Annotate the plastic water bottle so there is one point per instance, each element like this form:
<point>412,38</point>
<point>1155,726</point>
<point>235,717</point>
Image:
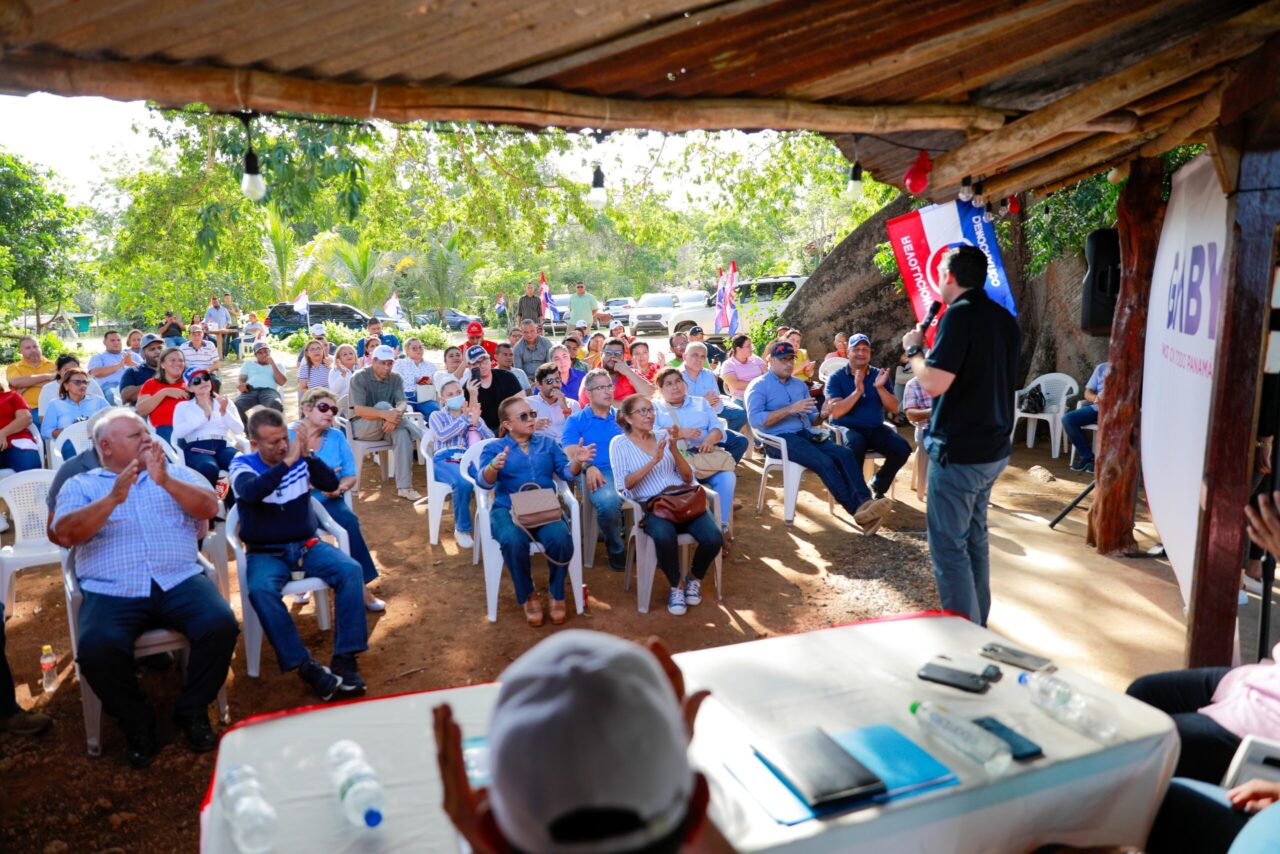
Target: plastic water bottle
<point>359,791</point>
<point>49,669</point>
<point>251,817</point>
<point>1060,700</point>
<point>970,739</point>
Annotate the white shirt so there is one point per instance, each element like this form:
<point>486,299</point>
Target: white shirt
<point>205,357</point>
<point>444,375</point>
<point>626,457</point>
<point>410,372</point>
<point>543,408</point>
<point>190,423</point>
<point>340,381</point>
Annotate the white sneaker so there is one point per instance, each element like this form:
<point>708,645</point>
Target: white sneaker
<point>675,602</point>
<point>376,605</point>
<point>463,539</point>
<point>410,494</point>
<point>693,591</point>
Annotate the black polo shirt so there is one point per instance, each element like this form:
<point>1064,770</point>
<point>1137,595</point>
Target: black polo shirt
<point>503,385</point>
<point>978,341</point>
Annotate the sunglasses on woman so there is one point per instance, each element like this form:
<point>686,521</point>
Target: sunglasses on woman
<point>326,408</point>
<point>195,381</point>
<point>525,416</point>
<point>79,382</point>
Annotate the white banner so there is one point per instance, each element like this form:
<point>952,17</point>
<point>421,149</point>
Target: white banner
<point>1182,326</point>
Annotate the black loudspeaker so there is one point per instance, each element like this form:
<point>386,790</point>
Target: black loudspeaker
<point>1101,282</point>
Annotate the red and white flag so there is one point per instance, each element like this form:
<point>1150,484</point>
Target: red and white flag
<point>392,306</point>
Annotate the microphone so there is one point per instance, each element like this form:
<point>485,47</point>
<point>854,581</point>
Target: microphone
<point>931,315</point>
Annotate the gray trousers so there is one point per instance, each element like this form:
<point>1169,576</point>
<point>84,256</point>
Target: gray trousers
<point>267,397</point>
<point>401,439</point>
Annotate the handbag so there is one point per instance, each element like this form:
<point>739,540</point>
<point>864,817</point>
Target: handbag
<point>678,504</point>
<point>707,463</point>
<point>1033,403</point>
<point>533,506</point>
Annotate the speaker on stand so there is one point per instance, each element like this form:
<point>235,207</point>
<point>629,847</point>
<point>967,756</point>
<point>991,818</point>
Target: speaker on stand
<point>1101,282</point>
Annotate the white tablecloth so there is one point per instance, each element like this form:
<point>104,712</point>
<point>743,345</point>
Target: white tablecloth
<point>1080,793</point>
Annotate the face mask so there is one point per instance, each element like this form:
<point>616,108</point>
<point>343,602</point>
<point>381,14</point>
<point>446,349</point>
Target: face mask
<point>454,403</point>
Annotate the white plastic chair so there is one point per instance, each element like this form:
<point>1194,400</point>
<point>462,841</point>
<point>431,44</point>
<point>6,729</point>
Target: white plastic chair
<point>646,552</point>
<point>1057,390</point>
<point>492,552</point>
<point>1081,404</point>
<point>791,474</point>
<point>381,448</point>
<point>77,434</point>
<point>25,494</point>
<point>438,492</point>
<point>831,366</point>
<point>148,643</point>
<point>252,625</point>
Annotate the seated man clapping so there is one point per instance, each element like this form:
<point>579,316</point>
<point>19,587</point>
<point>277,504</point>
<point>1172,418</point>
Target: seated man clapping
<point>134,523</point>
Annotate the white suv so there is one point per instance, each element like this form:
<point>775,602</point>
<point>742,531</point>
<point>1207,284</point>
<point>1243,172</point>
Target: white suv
<point>671,313</point>
<point>758,298</point>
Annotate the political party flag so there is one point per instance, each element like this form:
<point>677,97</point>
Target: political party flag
<point>919,240</point>
<point>548,304</point>
<point>501,305</point>
<point>302,305</point>
<point>392,306</point>
<point>726,305</point>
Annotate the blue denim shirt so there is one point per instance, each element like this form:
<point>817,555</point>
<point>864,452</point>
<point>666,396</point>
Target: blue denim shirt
<point>544,460</point>
<point>768,393</point>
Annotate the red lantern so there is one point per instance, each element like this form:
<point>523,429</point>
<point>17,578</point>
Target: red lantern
<point>916,178</point>
<point>1014,205</point>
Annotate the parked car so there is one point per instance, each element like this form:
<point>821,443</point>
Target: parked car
<point>620,308</point>
<point>402,323</point>
<point>551,326</point>
<point>282,321</point>
<point>453,318</point>
<point>757,298</point>
<point>666,314</point>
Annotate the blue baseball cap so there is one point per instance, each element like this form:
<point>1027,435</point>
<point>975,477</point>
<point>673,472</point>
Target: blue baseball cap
<point>859,339</point>
<point>190,373</point>
<point>476,353</point>
<point>783,350</point>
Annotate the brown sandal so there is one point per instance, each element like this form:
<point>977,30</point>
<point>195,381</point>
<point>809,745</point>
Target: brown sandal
<point>558,612</point>
<point>533,610</point>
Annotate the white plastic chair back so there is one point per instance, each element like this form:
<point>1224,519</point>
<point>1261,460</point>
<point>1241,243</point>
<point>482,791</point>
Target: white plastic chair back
<point>1058,389</point>
<point>791,475</point>
<point>831,366</point>
<point>172,454</point>
<point>77,434</point>
<point>25,494</point>
<point>438,492</point>
<point>360,448</point>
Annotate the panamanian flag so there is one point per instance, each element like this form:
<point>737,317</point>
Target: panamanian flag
<point>726,305</point>
<point>548,304</point>
<point>919,240</point>
<point>392,306</point>
<point>501,305</point>
<point>302,305</point>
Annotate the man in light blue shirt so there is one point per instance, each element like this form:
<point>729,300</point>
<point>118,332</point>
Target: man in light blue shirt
<point>1074,422</point>
<point>133,524</point>
<point>108,367</point>
<point>781,405</point>
<point>597,424</point>
<point>215,313</point>
<point>702,383</point>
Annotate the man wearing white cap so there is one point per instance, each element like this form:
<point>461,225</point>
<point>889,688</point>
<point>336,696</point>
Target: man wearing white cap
<point>379,404</point>
<point>260,382</point>
<point>587,751</point>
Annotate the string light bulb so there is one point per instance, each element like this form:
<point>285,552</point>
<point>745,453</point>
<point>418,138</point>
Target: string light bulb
<point>854,187</point>
<point>987,215</point>
<point>966,189</point>
<point>979,197</point>
<point>251,182</point>
<point>597,197</point>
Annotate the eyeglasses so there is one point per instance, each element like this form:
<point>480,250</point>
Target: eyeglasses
<point>195,381</point>
<point>325,407</point>
<point>613,352</point>
<point>600,387</point>
<point>78,382</point>
<point>644,410</point>
<point>525,416</point>
<point>551,381</point>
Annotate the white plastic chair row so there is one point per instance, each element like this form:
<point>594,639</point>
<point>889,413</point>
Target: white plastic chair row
<point>438,492</point>
<point>320,591</point>
<point>148,643</point>
<point>492,552</point>
<point>77,434</point>
<point>1057,390</point>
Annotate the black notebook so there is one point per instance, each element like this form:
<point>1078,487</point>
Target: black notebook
<point>818,769</point>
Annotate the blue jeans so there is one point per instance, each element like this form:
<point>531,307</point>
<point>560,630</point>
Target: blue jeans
<point>834,463</point>
<point>879,439</point>
<point>554,537</point>
<point>1073,424</point>
<point>736,444</point>
<point>426,407</point>
<point>734,415</point>
<point>342,514</point>
<point>175,341</point>
<point>1195,816</point>
<point>269,568</point>
<point>109,626</point>
<point>209,457</point>
<point>723,483</point>
<point>608,516</point>
<point>20,459</point>
<point>1207,746</point>
<point>449,471</point>
<point>957,522</point>
<point>112,393</point>
<point>703,529</point>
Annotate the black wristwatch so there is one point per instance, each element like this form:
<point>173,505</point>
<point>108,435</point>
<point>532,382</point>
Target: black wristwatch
<point>914,350</point>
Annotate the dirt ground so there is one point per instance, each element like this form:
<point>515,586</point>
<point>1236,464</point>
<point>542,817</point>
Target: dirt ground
<point>778,579</point>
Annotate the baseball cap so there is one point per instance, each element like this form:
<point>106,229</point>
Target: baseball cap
<point>384,353</point>
<point>317,329</point>
<point>859,339</point>
<point>475,353</point>
<point>190,373</point>
<point>617,324</point>
<point>195,327</point>
<point>148,340</point>
<point>581,324</point>
<point>168,314</point>
<point>697,330</point>
<point>260,345</point>
<point>581,687</point>
<point>783,350</point>
<point>474,328</point>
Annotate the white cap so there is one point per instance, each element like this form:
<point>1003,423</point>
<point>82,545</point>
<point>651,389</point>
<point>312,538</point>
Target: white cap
<point>384,353</point>
<point>317,329</point>
<point>587,720</point>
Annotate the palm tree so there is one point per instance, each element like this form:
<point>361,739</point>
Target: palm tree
<point>362,271</point>
<point>443,273</point>
<point>288,265</point>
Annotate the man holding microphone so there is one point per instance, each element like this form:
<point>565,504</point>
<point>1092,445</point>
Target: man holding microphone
<point>969,373</point>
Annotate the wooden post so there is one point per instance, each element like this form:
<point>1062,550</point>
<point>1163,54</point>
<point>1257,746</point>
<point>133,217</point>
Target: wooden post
<point>1140,214</point>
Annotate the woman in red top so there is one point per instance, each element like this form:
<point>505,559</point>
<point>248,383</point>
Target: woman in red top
<point>18,446</point>
<point>160,394</point>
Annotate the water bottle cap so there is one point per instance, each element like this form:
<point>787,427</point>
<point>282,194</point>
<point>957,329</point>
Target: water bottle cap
<point>46,649</point>
<point>915,706</point>
<point>372,818</point>
<point>1023,678</point>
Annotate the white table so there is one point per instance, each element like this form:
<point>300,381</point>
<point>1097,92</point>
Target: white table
<point>842,678</point>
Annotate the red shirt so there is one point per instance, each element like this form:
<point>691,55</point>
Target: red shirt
<point>490,347</point>
<point>162,415</point>
<point>10,404</point>
<point>622,389</point>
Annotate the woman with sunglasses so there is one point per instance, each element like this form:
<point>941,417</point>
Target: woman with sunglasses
<point>457,426</point>
<point>645,462</point>
<point>73,404</point>
<point>201,426</point>
<point>508,464</point>
<point>319,406</point>
<point>161,394</point>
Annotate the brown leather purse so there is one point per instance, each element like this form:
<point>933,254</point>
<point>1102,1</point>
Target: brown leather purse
<point>678,504</point>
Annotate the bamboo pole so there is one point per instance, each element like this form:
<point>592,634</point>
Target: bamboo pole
<point>232,90</point>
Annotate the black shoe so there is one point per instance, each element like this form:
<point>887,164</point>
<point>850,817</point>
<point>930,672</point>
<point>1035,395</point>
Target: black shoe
<point>618,562</point>
<point>1089,467</point>
<point>1080,464</point>
<point>878,496</point>
<point>320,678</point>
<point>200,735</point>
<point>140,747</point>
<point>344,666</point>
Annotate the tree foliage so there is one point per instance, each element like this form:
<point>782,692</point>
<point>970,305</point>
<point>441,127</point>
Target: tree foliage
<point>39,239</point>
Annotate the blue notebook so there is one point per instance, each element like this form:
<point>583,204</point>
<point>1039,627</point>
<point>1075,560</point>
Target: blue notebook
<point>905,767</point>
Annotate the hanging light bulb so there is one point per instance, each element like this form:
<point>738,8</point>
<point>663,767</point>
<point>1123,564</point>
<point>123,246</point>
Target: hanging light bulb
<point>251,183</point>
<point>916,178</point>
<point>966,189</point>
<point>1004,207</point>
<point>597,197</point>
<point>979,198</point>
<point>854,187</point>
<point>987,215</point>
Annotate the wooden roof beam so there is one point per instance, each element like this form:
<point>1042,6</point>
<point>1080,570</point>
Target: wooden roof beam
<point>1226,41</point>
<point>231,90</point>
<point>1191,122</point>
